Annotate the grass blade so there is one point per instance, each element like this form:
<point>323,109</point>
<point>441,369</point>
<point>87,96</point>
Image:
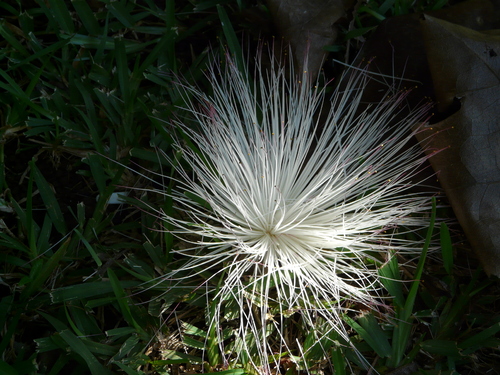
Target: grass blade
<point>477,341</point>
<point>122,71</point>
<point>121,13</point>
<point>44,272</point>
<point>86,290</point>
<point>441,347</point>
<point>86,16</point>
<point>49,199</point>
<point>62,15</point>
<point>402,330</point>
<point>391,280</point>
<point>77,346</point>
<point>371,332</point>
<point>232,40</point>
<point>123,301</point>
<point>9,38</point>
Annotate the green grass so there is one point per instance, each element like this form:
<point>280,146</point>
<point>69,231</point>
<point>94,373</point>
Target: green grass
<point>83,86</point>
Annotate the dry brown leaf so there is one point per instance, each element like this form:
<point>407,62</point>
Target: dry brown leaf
<point>397,47</point>
<point>308,26</point>
<point>465,66</point>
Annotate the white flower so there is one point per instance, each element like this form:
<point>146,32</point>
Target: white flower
<point>301,206</point>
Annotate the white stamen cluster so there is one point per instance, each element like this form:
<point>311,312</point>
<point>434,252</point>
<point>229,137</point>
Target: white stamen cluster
<point>300,207</point>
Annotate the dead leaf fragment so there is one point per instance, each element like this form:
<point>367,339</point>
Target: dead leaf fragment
<point>397,48</point>
<point>465,66</point>
<point>308,26</point>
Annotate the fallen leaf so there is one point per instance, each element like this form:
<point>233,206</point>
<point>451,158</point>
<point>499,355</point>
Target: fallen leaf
<point>465,66</point>
<point>397,48</point>
<point>308,26</point>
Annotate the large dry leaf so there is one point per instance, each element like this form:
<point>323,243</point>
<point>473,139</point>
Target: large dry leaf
<point>465,66</point>
<point>397,47</point>
<point>308,25</point>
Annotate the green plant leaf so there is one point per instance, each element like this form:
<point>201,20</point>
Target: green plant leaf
<point>49,199</point>
<point>391,280</point>
<point>441,347</point>
<point>44,272</point>
<point>402,330</point>
<point>369,329</point>
<point>11,39</point>
<point>86,15</point>
<point>232,40</point>
<point>123,301</point>
<point>87,290</point>
<point>477,341</point>
<point>7,369</point>
<point>62,15</point>
<point>89,247</point>
<point>77,346</point>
